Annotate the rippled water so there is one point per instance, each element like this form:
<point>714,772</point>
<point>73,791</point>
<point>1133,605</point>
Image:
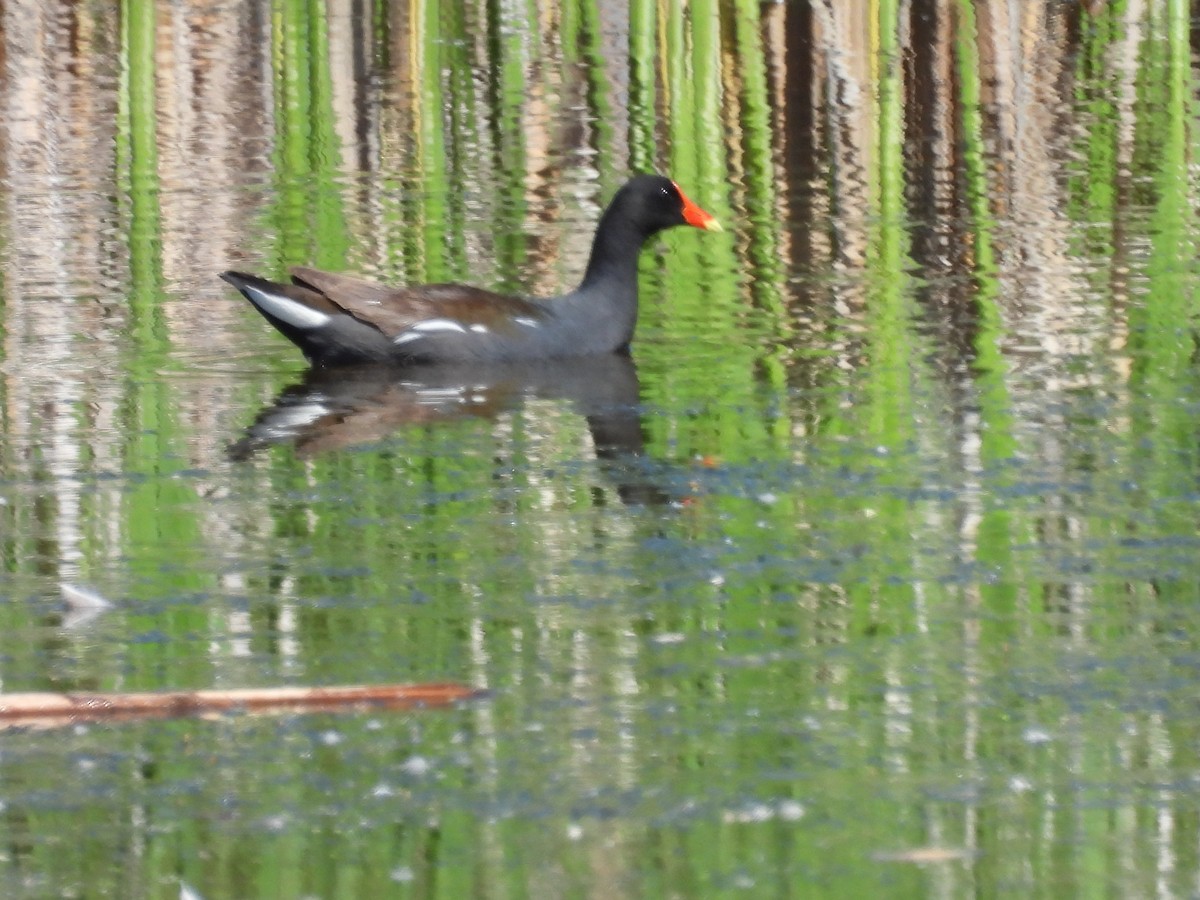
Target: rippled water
<point>873,573</point>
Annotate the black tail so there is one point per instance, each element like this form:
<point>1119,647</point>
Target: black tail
<point>324,332</point>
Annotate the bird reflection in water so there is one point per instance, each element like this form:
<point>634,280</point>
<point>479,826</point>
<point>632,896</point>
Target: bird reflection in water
<point>333,409</point>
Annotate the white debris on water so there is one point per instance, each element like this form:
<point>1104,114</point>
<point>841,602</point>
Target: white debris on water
<point>1035,735</point>
<point>669,637</point>
<point>79,597</point>
<point>416,765</point>
<point>782,810</point>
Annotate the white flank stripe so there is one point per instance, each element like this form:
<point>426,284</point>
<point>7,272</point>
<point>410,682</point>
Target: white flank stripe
<point>526,321</point>
<point>439,325</point>
<point>286,310</point>
<point>479,329</point>
<point>405,336</point>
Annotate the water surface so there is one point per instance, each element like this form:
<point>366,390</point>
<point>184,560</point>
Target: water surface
<point>872,573</point>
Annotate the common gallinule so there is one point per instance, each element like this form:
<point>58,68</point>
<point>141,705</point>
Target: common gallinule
<point>341,320</point>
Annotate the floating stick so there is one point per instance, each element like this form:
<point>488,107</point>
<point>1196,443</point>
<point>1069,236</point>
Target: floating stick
<point>50,709</point>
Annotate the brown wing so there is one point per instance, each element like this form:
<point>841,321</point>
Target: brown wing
<point>392,310</point>
<point>335,285</point>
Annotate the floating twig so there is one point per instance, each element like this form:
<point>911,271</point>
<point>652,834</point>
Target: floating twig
<point>46,709</point>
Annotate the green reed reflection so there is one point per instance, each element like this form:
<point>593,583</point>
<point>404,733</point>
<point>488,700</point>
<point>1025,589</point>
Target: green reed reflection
<point>308,216</point>
<point>137,155</point>
<point>157,517</point>
<point>1161,339</point>
<point>1000,525</point>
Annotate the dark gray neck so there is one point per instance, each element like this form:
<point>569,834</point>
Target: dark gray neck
<point>615,250</point>
<point>604,306</point>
